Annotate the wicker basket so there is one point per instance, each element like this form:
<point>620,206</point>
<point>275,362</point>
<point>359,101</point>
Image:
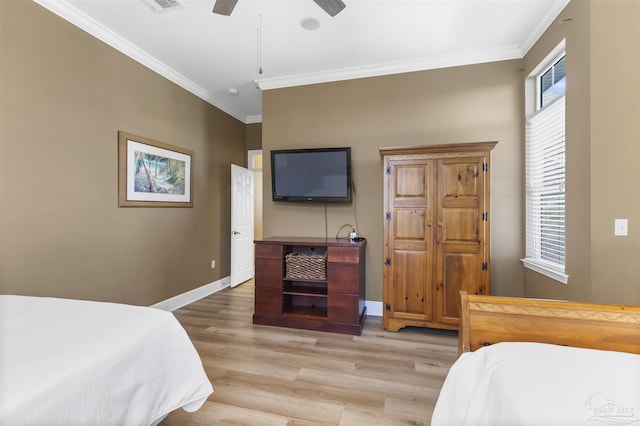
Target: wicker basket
<point>306,266</point>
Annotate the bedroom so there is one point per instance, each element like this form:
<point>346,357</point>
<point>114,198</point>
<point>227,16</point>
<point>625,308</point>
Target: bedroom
<point>65,95</point>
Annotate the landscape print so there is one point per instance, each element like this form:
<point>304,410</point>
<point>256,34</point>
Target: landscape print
<point>158,174</point>
<point>153,174</point>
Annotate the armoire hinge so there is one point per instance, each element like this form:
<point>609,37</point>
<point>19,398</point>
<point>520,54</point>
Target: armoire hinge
<point>387,215</point>
<point>485,167</point>
<point>387,306</point>
<point>388,170</point>
<point>484,266</point>
<point>387,261</point>
<point>485,216</point>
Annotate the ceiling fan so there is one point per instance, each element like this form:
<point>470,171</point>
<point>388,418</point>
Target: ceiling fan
<point>332,7</point>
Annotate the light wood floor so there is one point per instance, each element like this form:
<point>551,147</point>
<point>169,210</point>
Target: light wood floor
<point>280,376</point>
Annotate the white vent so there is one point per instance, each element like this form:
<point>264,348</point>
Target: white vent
<point>163,5</point>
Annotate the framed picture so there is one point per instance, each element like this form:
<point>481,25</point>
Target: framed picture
<point>153,174</point>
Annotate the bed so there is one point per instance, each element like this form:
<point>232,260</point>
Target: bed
<point>534,362</point>
<point>72,362</point>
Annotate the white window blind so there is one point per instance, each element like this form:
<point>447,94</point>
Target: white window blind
<point>545,189</point>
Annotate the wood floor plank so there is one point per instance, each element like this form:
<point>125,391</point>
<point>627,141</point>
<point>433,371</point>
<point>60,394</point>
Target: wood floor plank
<point>368,384</point>
<point>357,416</point>
<point>224,414</point>
<point>409,409</point>
<point>271,399</point>
<point>282,376</point>
<point>300,389</point>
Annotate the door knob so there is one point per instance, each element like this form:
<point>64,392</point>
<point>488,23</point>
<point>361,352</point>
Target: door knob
<point>236,233</point>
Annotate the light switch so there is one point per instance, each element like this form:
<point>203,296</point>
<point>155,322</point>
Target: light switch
<point>621,228</point>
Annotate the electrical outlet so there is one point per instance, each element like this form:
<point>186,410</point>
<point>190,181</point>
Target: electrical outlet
<point>621,228</point>
<point>213,264</point>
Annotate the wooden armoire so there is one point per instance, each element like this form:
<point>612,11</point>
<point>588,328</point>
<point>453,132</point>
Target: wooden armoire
<point>436,232</point>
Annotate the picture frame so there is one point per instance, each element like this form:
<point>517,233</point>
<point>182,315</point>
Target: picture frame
<point>152,173</point>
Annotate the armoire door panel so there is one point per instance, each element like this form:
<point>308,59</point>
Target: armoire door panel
<point>409,224</point>
<point>460,272</point>
<point>460,225</point>
<point>460,177</point>
<point>410,181</point>
<point>467,201</point>
<point>409,184</point>
<point>411,277</point>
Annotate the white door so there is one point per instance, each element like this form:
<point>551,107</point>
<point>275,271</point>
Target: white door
<point>242,256</point>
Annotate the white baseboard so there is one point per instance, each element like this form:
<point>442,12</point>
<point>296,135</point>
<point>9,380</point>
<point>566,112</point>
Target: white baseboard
<point>373,308</point>
<point>193,295</point>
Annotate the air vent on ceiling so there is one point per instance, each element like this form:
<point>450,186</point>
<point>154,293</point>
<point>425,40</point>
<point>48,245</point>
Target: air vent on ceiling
<point>163,5</point>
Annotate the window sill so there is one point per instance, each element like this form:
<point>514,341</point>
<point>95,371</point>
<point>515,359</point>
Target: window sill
<point>545,269</point>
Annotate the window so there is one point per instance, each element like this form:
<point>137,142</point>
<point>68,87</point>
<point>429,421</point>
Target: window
<point>545,174</point>
<point>552,82</point>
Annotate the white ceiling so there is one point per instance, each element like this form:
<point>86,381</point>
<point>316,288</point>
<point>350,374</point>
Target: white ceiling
<point>209,54</point>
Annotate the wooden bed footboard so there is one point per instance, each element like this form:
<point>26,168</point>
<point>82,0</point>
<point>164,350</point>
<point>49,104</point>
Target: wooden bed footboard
<point>491,319</point>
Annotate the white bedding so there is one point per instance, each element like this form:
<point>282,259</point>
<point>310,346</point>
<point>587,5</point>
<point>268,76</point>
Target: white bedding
<point>71,362</point>
<point>540,384</point>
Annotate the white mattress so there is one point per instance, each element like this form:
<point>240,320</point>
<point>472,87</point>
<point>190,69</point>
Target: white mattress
<point>71,362</point>
<point>540,384</point>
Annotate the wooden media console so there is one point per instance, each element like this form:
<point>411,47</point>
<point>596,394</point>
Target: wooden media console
<point>329,299</point>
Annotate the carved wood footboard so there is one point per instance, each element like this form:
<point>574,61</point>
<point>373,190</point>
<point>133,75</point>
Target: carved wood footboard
<point>491,319</point>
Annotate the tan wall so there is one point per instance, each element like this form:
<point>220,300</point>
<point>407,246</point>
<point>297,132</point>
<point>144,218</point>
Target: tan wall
<point>463,104</point>
<point>615,150</point>
<point>64,97</point>
<point>603,133</point>
<point>257,204</point>
<point>254,142</point>
<point>253,138</point>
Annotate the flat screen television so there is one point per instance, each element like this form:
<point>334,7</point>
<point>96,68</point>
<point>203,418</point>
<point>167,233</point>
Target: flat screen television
<point>311,175</point>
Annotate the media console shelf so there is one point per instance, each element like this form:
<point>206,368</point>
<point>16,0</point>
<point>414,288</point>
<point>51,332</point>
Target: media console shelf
<point>334,301</point>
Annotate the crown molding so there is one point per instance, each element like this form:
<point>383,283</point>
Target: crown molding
<point>445,61</point>
<point>252,119</point>
<point>549,18</point>
<point>89,25</point>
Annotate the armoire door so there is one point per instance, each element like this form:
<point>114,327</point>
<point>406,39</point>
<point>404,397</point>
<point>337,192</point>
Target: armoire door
<point>436,232</point>
<point>462,230</point>
<point>409,250</point>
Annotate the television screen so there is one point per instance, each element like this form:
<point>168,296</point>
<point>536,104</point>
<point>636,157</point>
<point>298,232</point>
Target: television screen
<point>321,175</point>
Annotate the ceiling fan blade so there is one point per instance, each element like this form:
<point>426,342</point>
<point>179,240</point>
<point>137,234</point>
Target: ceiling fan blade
<point>224,7</point>
<point>332,7</point>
